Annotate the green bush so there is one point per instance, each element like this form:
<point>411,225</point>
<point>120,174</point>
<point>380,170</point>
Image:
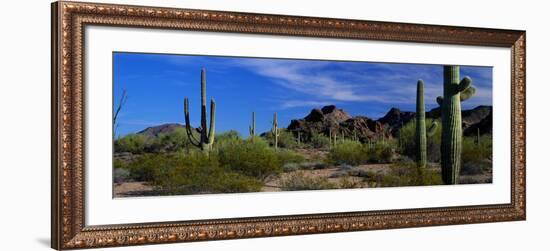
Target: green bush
<point>297,181</point>
<point>319,141</point>
<point>133,143</point>
<point>168,142</point>
<point>288,156</point>
<point>121,175</point>
<point>379,152</point>
<point>286,139</point>
<point>476,156</point>
<point>252,157</point>
<point>473,151</point>
<point>348,152</point>
<point>143,168</point>
<point>347,183</point>
<point>405,174</point>
<point>406,141</point>
<point>196,173</point>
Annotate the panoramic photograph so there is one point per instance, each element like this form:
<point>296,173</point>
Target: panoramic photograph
<point>193,124</point>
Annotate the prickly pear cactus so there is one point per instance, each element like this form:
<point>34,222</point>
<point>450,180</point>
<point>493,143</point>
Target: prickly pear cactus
<point>454,91</point>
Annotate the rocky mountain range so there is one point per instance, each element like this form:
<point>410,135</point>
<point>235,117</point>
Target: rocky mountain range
<point>333,120</point>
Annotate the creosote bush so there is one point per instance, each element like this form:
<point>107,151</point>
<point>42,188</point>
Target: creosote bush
<point>196,173</point>
<point>348,152</point>
<point>407,145</point>
<point>319,141</point>
<point>251,157</point>
<point>300,181</point>
<point>354,153</point>
<point>286,139</point>
<point>133,143</point>
<point>405,174</point>
<point>476,156</point>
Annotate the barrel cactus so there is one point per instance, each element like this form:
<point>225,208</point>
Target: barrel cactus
<point>420,134</point>
<point>454,91</point>
<point>206,139</point>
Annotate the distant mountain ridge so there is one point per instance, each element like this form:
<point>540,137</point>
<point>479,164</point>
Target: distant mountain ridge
<point>334,120</point>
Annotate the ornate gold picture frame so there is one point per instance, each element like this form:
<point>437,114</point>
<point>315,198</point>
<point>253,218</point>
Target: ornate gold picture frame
<point>69,230</point>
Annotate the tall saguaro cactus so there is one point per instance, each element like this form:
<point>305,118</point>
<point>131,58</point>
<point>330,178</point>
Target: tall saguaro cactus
<point>275,131</point>
<point>454,91</point>
<point>420,135</point>
<point>206,139</point>
<point>252,127</point>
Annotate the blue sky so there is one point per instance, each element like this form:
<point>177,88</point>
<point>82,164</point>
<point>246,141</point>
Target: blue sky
<point>157,84</point>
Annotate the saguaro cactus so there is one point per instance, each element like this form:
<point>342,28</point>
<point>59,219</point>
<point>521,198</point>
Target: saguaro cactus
<point>454,91</point>
<point>421,139</point>
<point>252,127</point>
<point>206,139</point>
<point>275,131</point>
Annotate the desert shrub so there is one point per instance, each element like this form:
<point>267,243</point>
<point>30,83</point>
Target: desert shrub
<point>143,168</point>
<point>348,152</point>
<point>196,172</point>
<point>379,152</point>
<point>288,156</point>
<point>119,164</point>
<point>405,174</point>
<point>286,139</point>
<point>228,136</point>
<point>168,142</point>
<point>252,157</point>
<point>290,167</point>
<point>473,151</point>
<point>306,165</point>
<point>312,165</point>
<point>133,143</point>
<point>406,140</point>
<point>346,182</point>
<point>121,175</point>
<point>319,141</point>
<point>476,156</point>
<point>299,181</point>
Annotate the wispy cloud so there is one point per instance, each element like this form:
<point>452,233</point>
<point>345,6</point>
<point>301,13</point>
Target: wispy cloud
<point>326,82</point>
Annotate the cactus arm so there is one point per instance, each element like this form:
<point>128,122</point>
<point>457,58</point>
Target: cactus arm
<point>464,84</point>
<point>439,100</point>
<point>204,137</point>
<point>432,128</point>
<point>212,131</point>
<point>190,135</point>
<point>467,93</point>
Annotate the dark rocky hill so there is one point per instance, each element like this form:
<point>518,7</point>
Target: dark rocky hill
<point>335,120</point>
<point>480,116</point>
<point>330,119</point>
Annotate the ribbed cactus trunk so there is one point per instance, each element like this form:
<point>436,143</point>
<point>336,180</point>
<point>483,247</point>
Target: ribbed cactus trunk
<point>421,152</point>
<point>454,91</point>
<point>206,139</point>
<point>252,128</point>
<point>275,132</point>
